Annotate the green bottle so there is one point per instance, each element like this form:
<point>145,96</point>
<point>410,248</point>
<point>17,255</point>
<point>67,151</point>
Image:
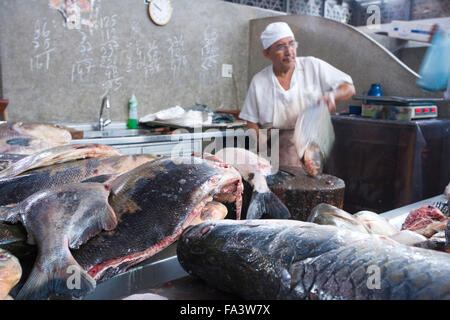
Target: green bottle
<point>133,114</point>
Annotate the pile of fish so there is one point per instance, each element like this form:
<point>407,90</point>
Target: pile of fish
<point>28,138</point>
<point>288,259</point>
<point>255,170</point>
<point>93,213</point>
<point>416,231</point>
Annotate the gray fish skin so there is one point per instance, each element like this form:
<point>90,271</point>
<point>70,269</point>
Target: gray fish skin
<point>56,219</point>
<point>16,189</point>
<point>286,259</point>
<point>56,155</point>
<point>154,203</point>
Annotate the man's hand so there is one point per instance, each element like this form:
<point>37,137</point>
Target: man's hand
<point>328,99</point>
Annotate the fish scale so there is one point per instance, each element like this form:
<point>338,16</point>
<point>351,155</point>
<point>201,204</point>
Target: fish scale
<point>337,268</point>
<point>16,189</point>
<point>153,203</point>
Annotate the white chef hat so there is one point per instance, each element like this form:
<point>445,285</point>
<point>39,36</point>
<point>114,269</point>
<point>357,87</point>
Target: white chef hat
<point>274,32</point>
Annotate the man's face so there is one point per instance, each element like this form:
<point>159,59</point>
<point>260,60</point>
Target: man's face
<point>282,53</point>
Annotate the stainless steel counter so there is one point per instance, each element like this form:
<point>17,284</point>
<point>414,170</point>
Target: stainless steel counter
<point>146,141</point>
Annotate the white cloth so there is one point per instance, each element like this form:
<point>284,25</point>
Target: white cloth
<point>274,32</point>
<point>267,102</point>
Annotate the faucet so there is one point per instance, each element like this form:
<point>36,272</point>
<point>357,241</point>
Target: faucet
<point>102,123</point>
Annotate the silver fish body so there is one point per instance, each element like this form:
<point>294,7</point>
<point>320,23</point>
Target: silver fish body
<point>287,259</point>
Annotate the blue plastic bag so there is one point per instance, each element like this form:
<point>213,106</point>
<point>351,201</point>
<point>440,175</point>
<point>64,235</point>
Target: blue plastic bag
<point>435,69</point>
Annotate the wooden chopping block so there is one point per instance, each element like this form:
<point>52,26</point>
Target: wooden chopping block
<point>298,191</point>
<point>301,192</point>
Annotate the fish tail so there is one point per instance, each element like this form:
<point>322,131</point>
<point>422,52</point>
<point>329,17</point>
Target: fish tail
<point>68,281</point>
<point>268,204</point>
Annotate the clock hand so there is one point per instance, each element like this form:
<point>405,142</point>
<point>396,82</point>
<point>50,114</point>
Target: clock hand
<point>157,7</point>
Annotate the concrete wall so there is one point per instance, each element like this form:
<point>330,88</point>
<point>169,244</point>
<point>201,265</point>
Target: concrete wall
<point>349,50</point>
<point>53,73</point>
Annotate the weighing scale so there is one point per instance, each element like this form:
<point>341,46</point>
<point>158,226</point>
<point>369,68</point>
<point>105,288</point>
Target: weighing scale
<point>399,108</point>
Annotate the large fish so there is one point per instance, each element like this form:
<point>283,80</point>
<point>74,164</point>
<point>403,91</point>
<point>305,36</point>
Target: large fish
<point>288,259</point>
<point>10,273</point>
<point>254,169</point>
<point>29,138</point>
<point>154,203</point>
<point>326,214</point>
<point>58,155</point>
<point>56,219</point>
<point>16,189</point>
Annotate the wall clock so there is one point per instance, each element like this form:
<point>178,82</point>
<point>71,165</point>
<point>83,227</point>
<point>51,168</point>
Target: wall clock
<point>160,11</point>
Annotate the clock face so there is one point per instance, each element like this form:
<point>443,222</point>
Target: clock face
<point>160,11</point>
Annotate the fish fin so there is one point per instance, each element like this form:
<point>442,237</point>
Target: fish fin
<point>10,213</point>
<point>68,280</point>
<point>107,222</point>
<point>268,204</point>
<point>110,219</point>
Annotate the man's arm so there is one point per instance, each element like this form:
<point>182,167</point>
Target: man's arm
<point>343,93</point>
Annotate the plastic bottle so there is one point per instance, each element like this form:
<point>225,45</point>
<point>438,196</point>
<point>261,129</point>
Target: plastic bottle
<point>133,113</point>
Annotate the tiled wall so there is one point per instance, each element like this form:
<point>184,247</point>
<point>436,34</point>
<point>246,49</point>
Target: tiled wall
<point>357,12</point>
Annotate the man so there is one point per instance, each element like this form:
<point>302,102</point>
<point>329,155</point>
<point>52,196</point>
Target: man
<point>279,92</point>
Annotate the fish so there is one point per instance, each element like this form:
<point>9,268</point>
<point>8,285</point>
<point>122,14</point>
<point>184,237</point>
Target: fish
<point>271,259</point>
<point>313,160</point>
<point>10,273</point>
<point>6,159</point>
<point>154,203</point>
<point>375,223</point>
<point>438,241</point>
<point>57,219</point>
<point>408,237</point>
<point>314,138</point>
<point>18,188</point>
<point>56,155</point>
<point>32,137</point>
<point>326,214</point>
<point>254,169</point>
<point>13,238</point>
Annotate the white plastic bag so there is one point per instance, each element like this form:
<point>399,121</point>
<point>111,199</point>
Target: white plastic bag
<point>314,126</point>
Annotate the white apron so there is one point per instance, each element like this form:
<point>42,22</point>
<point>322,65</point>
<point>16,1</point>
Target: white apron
<point>287,107</point>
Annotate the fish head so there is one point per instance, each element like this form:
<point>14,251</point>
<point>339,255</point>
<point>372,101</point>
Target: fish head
<point>313,160</point>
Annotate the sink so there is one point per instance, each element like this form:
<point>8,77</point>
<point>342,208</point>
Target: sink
<point>115,133</point>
